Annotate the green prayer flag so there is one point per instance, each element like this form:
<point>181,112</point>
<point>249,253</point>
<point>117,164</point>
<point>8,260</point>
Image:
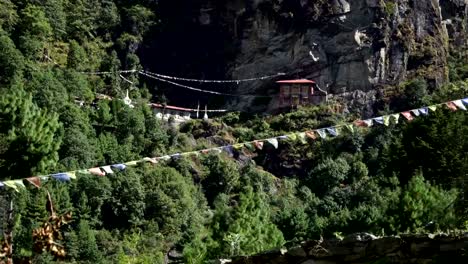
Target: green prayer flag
<point>250,146</point>
<point>87,171</point>
<point>396,117</point>
<point>238,146</point>
<point>386,120</point>
<point>350,127</point>
<point>302,137</point>
<point>292,137</point>
<point>433,108</point>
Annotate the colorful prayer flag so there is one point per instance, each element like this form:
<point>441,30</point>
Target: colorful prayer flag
<point>360,123</point>
<point>107,170</point>
<point>396,118</point>
<point>229,150</point>
<point>282,137</point>
<point>415,112</point>
<point>150,160</point>
<point>322,133</point>
<point>96,171</point>
<point>451,106</point>
<point>258,144</point>
<point>311,134</point>
<point>408,116</point>
<point>433,108</point>
<point>250,146</point>
<point>36,181</point>
<point>72,175</point>
<point>350,127</point>
<point>424,111</point>
<point>465,101</point>
<point>61,177</point>
<point>2,185</point>
<point>166,158</point>
<point>292,136</point>
<point>273,142</point>
<point>332,130</point>
<point>302,137</point>
<point>386,120</point>
<point>119,167</point>
<point>368,122</point>
<point>459,104</point>
<point>379,120</point>
<point>131,163</point>
<point>238,146</point>
<point>14,184</point>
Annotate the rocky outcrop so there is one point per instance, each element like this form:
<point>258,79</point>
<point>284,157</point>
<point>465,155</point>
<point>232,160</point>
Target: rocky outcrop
<point>352,48</point>
<point>366,248</point>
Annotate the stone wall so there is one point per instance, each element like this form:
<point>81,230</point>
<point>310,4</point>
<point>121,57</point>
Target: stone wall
<point>366,248</point>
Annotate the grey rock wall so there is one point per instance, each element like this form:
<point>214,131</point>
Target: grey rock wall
<point>366,248</point>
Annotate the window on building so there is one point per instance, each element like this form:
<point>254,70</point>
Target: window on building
<point>295,90</point>
<point>305,91</point>
<point>286,90</point>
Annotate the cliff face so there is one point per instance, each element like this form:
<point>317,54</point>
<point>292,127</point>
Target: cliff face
<point>352,48</point>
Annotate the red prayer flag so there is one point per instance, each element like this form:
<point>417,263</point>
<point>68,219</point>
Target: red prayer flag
<point>311,134</point>
<point>97,171</point>
<point>36,181</point>
<point>258,144</point>
<point>451,106</point>
<point>408,116</point>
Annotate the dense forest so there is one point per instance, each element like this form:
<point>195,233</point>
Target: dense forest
<point>405,177</point>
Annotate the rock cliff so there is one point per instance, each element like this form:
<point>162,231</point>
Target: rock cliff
<point>353,48</point>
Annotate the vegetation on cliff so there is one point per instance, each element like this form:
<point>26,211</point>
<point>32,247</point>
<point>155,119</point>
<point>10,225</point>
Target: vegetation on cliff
<point>409,177</point>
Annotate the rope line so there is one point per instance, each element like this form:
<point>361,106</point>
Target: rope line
<point>200,90</point>
<point>214,81</point>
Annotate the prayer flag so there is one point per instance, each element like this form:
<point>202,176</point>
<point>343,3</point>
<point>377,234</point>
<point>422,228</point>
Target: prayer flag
<point>451,106</point>
<point>424,111</point>
<point>292,136</point>
<point>1,184</point>
<point>386,120</point>
<point>131,163</point>
<point>322,133</point>
<point>205,151</point>
<point>166,157</point>
<point>408,116</point>
<point>61,177</point>
<point>360,123</point>
<point>302,137</point>
<point>238,146</point>
<point>350,127</point>
<point>14,184</point>
<point>368,122</point>
<point>229,150</point>
<point>108,170</point>
<point>119,167</point>
<point>332,131</point>
<point>379,120</point>
<point>311,134</point>
<point>283,137</point>
<point>150,160</point>
<point>72,175</point>
<point>250,146</point>
<point>396,117</point>
<point>258,144</point>
<point>176,156</point>
<point>415,112</point>
<point>273,142</point>
<point>96,171</point>
<point>36,181</point>
<point>465,101</point>
<point>459,104</point>
<point>433,108</point>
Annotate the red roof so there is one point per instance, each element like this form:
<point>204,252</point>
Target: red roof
<point>300,81</point>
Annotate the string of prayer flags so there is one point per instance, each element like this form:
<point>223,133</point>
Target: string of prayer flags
<point>252,145</point>
<point>408,116</point>
<point>459,104</point>
<point>451,106</point>
<point>35,181</point>
<point>273,142</point>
